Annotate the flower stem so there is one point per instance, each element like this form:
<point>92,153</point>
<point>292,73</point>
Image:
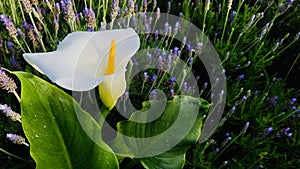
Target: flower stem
<point>12,154</point>
<point>17,96</point>
<point>37,32</point>
<point>18,42</point>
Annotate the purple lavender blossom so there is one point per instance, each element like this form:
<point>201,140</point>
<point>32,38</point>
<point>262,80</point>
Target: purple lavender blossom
<point>16,139</point>
<point>114,9</point>
<point>89,16</point>
<point>27,6</point>
<point>6,82</point>
<point>9,25</point>
<point>68,10</point>
<point>10,113</point>
<point>169,6</point>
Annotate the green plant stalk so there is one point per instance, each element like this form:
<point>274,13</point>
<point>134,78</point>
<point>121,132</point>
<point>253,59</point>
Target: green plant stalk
<point>230,36</point>
<point>13,9</point>
<point>46,29</point>
<point>105,6</point>
<point>10,154</point>
<point>1,7</point>
<point>203,24</point>
<point>37,32</point>
<point>74,6</point>
<point>225,24</point>
<point>226,147</point>
<point>17,95</point>
<point>26,44</point>
<point>295,61</point>
<point>237,41</point>
<point>16,39</point>
<point>286,47</point>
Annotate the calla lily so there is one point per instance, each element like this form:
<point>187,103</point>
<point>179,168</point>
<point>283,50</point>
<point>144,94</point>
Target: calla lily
<point>83,60</point>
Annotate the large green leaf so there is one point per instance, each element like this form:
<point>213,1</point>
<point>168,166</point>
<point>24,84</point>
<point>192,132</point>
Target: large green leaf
<point>178,127</point>
<point>57,138</point>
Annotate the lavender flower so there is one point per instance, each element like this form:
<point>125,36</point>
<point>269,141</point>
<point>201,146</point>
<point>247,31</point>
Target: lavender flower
<point>229,4</point>
<point>30,33</point>
<point>131,7</point>
<point>114,9</point>
<point>147,29</point>
<point>245,128</point>
<point>10,47</point>
<point>6,82</point>
<point>240,77</point>
<point>89,16</point>
<point>16,139</point>
<point>56,24</point>
<point>153,95</point>
<point>157,13</point>
<point>9,25</point>
<point>102,26</point>
<point>249,23</point>
<point>207,5</point>
<point>166,29</point>
<point>145,5</point>
<point>57,9</point>
<point>272,100</point>
<point>293,100</point>
<point>231,18</point>
<point>10,113</point>
<point>67,8</point>
<point>13,61</point>
<point>169,6</point>
<point>27,6</point>
<point>146,76</point>
<point>154,3</point>
<point>20,33</point>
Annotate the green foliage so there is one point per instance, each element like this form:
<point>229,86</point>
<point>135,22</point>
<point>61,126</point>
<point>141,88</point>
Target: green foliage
<point>56,137</point>
<point>177,118</point>
<point>249,50</point>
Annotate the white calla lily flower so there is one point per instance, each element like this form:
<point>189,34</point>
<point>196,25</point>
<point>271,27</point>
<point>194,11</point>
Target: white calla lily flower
<point>83,60</point>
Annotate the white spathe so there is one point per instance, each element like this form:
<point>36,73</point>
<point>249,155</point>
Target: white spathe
<point>81,59</point>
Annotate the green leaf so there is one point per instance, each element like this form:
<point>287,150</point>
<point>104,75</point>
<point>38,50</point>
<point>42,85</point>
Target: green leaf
<point>178,127</point>
<point>57,138</point>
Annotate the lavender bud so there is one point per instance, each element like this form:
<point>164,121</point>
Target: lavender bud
<point>153,95</point>
<point>146,76</point>
<point>131,7</point>
<point>166,29</point>
<point>102,26</point>
<point>20,33</point>
<point>57,9</point>
<point>157,13</point>
<point>10,113</point>
<point>245,128</point>
<point>56,24</point>
<point>154,3</point>
<point>169,6</point>
<point>6,82</point>
<point>27,6</point>
<point>114,9</point>
<point>145,5</point>
<point>9,25</point>
<point>68,10</point>
<point>16,139</point>
<point>89,16</point>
